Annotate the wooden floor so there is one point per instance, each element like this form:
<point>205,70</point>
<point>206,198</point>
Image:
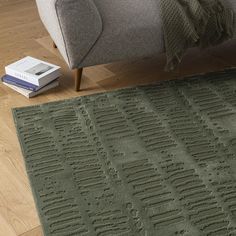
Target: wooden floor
<point>21,34</point>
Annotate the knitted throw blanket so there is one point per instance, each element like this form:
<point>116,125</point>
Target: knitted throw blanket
<point>189,23</point>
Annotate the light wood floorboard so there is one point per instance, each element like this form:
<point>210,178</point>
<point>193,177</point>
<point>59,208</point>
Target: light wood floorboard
<point>21,34</point>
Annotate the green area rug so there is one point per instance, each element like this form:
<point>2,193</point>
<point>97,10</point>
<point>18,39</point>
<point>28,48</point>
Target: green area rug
<point>150,160</point>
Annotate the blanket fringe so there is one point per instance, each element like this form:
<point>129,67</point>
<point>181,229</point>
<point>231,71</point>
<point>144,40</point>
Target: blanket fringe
<point>190,23</point>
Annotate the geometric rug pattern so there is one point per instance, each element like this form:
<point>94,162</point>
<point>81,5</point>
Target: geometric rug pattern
<point>150,160</point>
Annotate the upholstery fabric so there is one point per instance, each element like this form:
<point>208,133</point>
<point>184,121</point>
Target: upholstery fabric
<point>95,32</point>
<point>49,18</point>
<point>81,25</point>
<point>131,29</point>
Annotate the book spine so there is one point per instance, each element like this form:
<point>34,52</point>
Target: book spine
<point>18,85</point>
<point>20,76</point>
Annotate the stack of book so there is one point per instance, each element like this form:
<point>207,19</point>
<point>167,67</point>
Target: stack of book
<point>30,76</point>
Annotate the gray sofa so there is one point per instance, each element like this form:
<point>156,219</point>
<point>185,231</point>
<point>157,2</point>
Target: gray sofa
<point>91,32</point>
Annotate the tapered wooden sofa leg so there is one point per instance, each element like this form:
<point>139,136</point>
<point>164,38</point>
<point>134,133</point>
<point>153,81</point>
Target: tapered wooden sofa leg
<point>78,76</point>
<point>54,45</point>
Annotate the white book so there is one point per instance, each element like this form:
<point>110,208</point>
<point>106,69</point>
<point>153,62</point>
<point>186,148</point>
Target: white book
<point>29,93</point>
<point>33,71</point>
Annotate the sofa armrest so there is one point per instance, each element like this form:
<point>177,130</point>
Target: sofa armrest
<point>74,25</point>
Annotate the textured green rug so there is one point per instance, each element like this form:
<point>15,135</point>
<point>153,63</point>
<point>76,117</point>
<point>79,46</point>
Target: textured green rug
<point>151,160</point>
